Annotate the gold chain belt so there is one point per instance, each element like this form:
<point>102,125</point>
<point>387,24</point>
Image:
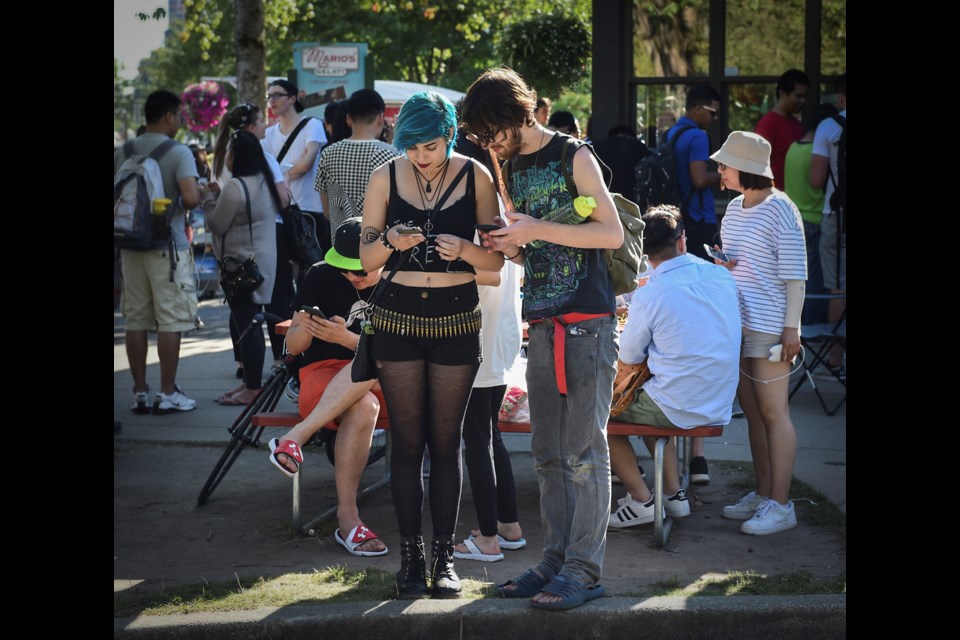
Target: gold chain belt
<point>403,324</point>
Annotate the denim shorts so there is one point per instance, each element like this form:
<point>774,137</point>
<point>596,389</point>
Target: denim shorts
<point>397,344</point>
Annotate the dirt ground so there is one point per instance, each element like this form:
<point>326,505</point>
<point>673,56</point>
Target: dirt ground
<point>162,538</point>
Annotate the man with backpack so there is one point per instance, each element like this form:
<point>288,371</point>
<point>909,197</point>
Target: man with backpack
<point>828,168</point>
<point>568,299</point>
<point>159,287</point>
<point>694,179</point>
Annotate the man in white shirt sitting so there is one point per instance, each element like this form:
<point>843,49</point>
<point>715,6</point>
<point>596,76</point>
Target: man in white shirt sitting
<point>686,322</point>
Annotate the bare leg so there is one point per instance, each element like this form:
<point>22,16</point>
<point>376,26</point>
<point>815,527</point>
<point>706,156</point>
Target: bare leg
<point>755,428</point>
<point>696,447</point>
<point>136,343</point>
<point>168,349</point>
<point>671,466</point>
<point>781,437</point>
<point>341,394</point>
<point>623,462</point>
<point>352,450</point>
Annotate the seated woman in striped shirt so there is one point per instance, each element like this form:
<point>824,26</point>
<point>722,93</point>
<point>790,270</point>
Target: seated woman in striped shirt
<point>762,235</point>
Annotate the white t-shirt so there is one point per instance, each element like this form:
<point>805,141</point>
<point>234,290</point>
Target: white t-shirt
<point>686,320</point>
<point>225,175</point>
<point>302,188</point>
<point>767,241</point>
<point>825,142</point>
<point>501,332</point>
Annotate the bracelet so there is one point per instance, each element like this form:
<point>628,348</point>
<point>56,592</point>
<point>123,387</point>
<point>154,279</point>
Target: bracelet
<point>385,242</point>
<point>514,256</point>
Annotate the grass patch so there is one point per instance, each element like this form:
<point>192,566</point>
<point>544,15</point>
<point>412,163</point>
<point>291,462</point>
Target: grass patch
<point>814,507</point>
<point>750,583</point>
<point>334,584</point>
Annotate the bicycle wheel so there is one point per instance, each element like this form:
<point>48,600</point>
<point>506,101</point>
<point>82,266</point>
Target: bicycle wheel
<point>243,432</point>
<point>378,447</point>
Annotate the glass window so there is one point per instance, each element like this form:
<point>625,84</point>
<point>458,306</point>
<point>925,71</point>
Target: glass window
<point>764,37</point>
<point>747,103</point>
<point>658,108</point>
<point>833,37</point>
<point>670,38</point>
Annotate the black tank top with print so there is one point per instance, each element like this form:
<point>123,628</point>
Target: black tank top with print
<point>456,219</point>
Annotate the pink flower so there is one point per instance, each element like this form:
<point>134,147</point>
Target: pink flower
<point>204,105</point>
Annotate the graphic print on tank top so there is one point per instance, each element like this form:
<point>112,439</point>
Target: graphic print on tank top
<point>554,272</point>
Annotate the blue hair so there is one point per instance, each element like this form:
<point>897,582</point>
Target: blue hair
<point>425,116</point>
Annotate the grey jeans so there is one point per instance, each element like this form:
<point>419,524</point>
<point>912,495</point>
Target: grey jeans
<point>569,445</point>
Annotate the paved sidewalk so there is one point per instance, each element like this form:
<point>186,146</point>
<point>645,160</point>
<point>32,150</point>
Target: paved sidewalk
<point>162,538</point>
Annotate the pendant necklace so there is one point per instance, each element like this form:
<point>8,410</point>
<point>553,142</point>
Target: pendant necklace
<point>429,188</point>
<point>428,226</point>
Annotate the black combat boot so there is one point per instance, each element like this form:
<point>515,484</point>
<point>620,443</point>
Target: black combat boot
<point>445,583</point>
<point>412,577</point>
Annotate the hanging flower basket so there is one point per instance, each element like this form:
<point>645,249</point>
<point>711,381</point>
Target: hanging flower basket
<point>203,105</point>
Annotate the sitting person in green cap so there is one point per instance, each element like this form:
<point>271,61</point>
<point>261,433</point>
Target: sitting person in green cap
<point>338,289</point>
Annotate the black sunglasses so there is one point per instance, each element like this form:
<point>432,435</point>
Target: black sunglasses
<point>357,272</point>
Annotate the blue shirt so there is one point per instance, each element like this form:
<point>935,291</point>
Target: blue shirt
<point>687,322</point>
<point>692,146</point>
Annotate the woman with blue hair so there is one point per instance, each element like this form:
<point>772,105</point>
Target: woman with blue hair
<point>419,216</point>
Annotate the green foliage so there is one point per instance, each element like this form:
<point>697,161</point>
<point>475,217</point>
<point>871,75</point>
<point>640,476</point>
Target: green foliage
<point>159,14</point>
<point>551,52</point>
<point>765,39</point>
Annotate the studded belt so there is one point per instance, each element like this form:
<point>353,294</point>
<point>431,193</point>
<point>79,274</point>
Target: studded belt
<point>403,324</point>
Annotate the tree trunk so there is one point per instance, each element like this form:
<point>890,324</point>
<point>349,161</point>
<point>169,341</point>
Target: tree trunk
<point>250,48</point>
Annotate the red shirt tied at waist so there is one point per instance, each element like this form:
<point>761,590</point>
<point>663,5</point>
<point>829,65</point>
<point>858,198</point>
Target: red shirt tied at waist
<point>560,324</point>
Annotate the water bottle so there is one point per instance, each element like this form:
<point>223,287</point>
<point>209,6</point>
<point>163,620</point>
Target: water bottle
<point>583,206</point>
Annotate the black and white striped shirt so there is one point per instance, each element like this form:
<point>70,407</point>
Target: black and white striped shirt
<point>767,241</point>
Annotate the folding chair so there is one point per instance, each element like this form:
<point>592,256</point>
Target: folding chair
<point>817,340</point>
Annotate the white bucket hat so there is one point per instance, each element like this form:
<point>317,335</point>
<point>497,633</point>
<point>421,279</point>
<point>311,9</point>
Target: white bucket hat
<point>746,151</point>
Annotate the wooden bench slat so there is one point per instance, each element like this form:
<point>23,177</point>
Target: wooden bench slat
<point>290,418</point>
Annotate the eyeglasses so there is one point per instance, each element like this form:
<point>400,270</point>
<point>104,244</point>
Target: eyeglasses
<point>277,96</point>
<point>360,273</point>
<point>713,112</point>
<point>490,141</point>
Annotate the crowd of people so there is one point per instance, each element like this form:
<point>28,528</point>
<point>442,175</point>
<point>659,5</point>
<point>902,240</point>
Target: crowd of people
<point>431,251</point>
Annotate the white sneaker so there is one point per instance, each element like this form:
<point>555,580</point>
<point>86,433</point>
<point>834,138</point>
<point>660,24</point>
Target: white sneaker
<point>632,513</point>
<point>771,517</point>
<point>745,508</point>
<point>175,401</point>
<point>677,505</point>
<point>140,399</point>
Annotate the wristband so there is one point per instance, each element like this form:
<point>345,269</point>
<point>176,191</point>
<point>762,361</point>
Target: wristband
<point>385,242</point>
<point>514,256</point>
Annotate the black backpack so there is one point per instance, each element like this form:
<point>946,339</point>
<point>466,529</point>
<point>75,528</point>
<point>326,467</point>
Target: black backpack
<point>838,199</point>
<point>656,176</point>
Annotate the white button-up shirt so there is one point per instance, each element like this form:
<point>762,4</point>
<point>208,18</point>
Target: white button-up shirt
<point>686,319</point>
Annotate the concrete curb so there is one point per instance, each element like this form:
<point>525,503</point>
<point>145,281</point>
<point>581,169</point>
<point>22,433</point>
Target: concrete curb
<point>663,618</point>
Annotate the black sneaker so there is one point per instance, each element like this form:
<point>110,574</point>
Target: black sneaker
<point>698,471</point>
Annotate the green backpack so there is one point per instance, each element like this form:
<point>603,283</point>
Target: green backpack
<point>626,263</point>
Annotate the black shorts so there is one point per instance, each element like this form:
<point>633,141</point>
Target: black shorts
<point>438,324</point>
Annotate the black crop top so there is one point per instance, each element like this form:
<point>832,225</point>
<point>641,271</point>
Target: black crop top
<point>456,219</point>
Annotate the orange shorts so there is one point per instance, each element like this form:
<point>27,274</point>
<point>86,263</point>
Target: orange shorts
<point>314,379</point>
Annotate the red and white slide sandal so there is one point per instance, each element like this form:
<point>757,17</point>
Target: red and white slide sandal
<point>357,536</point>
<point>288,447</point>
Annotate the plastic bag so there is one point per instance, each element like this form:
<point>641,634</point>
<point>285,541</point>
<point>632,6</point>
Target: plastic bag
<point>514,407</point>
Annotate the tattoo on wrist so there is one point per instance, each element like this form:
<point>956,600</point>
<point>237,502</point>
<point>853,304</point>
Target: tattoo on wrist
<point>370,234</point>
